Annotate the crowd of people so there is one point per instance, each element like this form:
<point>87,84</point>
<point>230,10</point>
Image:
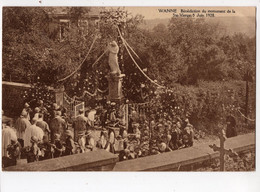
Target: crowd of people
<point>156,136</point>
<point>33,138</point>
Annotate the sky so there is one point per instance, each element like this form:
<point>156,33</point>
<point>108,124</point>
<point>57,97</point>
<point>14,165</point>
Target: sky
<point>153,13</point>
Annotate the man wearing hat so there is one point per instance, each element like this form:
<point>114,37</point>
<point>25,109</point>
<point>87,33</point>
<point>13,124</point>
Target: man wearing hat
<point>27,110</point>
<point>43,125</point>
<point>21,124</point>
<point>33,131</point>
<point>80,124</point>
<point>58,126</point>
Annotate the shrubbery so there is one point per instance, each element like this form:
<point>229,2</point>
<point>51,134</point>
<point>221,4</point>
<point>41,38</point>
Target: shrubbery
<point>207,104</point>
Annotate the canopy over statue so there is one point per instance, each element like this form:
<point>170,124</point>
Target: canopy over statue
<point>113,59</point>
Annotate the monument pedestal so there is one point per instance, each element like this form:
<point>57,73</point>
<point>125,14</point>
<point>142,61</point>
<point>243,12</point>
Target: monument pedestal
<point>115,87</point>
<point>59,92</point>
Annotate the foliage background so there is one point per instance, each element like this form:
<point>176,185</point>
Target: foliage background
<point>202,67</point>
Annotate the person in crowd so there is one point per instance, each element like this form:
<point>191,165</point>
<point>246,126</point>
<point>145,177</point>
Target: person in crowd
<point>33,130</point>
<point>132,154</point>
<point>137,132</point>
<point>54,110</point>
<point>130,127</point>
<point>69,143</point>
<point>188,134</point>
<point>82,142</point>
<point>36,113</point>
<point>58,126</point>
<point>124,154</point>
<point>179,134</point>
<point>163,147</point>
<point>43,109</point>
<point>79,124</point>
<point>8,134</point>
<point>231,127</point>
<point>91,117</point>
<point>102,143</point>
<point>21,124</point>
<point>90,142</point>
<point>5,119</point>
<point>103,118</point>
<point>34,151</point>
<point>112,117</point>
<point>13,153</point>
<point>111,140</point>
<point>43,125</point>
<point>27,110</point>
<point>58,147</point>
<point>47,149</point>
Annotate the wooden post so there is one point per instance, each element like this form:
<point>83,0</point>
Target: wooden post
<point>126,116</point>
<point>247,93</point>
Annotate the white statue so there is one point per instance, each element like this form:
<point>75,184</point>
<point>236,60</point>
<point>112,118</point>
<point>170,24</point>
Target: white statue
<point>113,59</point>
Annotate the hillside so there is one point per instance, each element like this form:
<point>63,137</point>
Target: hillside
<point>232,24</point>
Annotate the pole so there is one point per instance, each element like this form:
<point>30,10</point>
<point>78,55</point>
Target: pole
<point>120,54</point>
<point>222,150</point>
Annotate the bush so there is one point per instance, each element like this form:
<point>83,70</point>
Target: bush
<point>207,104</point>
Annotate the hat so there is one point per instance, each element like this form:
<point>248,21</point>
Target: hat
<point>119,137</point>
<point>186,120</point>
<point>124,135</point>
<point>113,43</point>
<point>135,124</point>
<point>81,110</point>
<point>24,113</point>
<point>37,109</point>
<point>26,105</point>
<point>81,133</point>
<point>34,139</point>
<point>88,132</point>
<point>57,136</point>
<point>159,125</point>
<point>146,133</point>
<point>69,133</point>
<point>131,148</point>
<point>162,146</point>
<point>58,113</point>
<point>6,120</point>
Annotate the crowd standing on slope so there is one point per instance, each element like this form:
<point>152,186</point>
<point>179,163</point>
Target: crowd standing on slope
<point>33,138</point>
